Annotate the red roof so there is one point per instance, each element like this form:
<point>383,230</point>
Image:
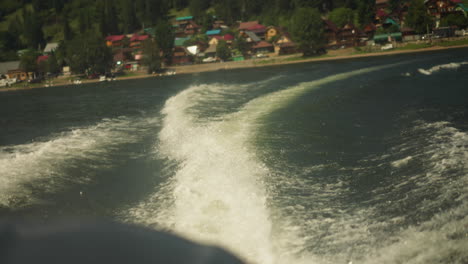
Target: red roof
<point>262,44</point>
<point>42,58</point>
<point>381,13</point>
<point>246,25</point>
<point>457,1</point>
<point>369,28</point>
<point>228,37</point>
<point>137,37</point>
<point>113,38</point>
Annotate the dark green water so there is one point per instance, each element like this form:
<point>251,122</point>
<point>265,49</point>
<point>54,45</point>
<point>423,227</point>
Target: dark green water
<point>357,160</point>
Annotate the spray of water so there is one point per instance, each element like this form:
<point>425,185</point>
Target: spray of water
<point>43,163</point>
<point>217,193</point>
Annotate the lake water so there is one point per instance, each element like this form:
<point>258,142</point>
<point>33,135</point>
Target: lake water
<point>362,161</point>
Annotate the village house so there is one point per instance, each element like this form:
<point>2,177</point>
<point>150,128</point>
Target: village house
<point>41,62</point>
<point>213,32</point>
<point>179,42</point>
<point>262,47</point>
<point>191,28</point>
<point>136,41</point>
<point>369,30</point>
<point>381,4</point>
<point>380,16</point>
<point>284,45</point>
<point>185,26</point>
<point>123,55</point>
<point>179,32</point>
<point>11,70</point>
<point>219,24</point>
<point>271,32</point>
<point>181,56</point>
<point>250,37</point>
<point>211,51</point>
<point>215,40</point>
<point>442,8</point>
<point>331,33</point>
<point>115,41</point>
<point>228,38</point>
<point>50,47</point>
<point>253,26</point>
<point>350,36</point>
<point>183,21</point>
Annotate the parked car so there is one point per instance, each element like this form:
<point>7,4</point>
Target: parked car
<point>261,55</point>
<point>209,59</point>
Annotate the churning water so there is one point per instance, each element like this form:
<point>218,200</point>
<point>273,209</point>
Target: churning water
<point>361,161</point>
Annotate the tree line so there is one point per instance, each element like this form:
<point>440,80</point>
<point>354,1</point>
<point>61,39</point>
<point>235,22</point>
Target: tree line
<point>32,23</point>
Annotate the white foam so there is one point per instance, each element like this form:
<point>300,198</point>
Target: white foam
<point>449,66</point>
<point>46,160</point>
<point>443,237</point>
<point>401,162</point>
<point>217,194</point>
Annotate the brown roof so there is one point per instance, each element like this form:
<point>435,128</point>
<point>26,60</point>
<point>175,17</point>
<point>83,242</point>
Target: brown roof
<point>286,44</point>
<point>406,29</point>
<point>246,25</point>
<point>330,25</point>
<point>379,2</point>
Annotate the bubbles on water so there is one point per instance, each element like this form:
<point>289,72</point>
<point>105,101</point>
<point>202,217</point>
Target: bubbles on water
<point>221,192</point>
<point>43,165</point>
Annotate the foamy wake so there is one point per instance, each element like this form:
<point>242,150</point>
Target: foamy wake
<point>443,238</point>
<point>217,189</point>
<point>43,164</point>
<point>448,66</point>
<point>218,192</point>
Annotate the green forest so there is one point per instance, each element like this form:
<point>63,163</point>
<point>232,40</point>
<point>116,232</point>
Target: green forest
<point>80,26</point>
<point>33,23</point>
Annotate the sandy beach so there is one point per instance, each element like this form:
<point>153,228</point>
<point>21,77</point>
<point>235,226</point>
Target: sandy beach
<point>252,63</point>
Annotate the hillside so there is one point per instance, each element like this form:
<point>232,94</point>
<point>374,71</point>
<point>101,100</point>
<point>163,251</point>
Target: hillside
<point>33,23</point>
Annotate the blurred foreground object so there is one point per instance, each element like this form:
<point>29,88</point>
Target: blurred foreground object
<point>101,242</point>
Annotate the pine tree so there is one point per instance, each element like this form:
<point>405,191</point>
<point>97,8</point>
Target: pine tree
<point>67,32</point>
<point>129,21</point>
<point>151,57</point>
<point>32,29</point>
<point>164,35</point>
<point>111,19</point>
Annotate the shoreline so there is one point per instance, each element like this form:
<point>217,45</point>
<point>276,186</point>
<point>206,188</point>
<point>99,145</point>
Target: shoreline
<point>252,63</point>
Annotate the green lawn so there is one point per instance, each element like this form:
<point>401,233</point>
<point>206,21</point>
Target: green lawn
<point>452,43</point>
<point>415,46</point>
